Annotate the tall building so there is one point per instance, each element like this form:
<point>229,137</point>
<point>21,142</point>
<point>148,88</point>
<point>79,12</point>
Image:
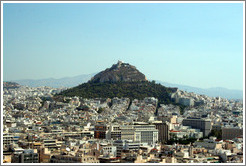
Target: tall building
<point>146,134</point>
<point>163,131</point>
<point>203,124</point>
<point>100,131</point>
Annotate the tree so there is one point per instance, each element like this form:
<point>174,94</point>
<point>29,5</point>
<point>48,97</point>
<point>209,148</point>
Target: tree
<point>100,110</point>
<point>216,133</point>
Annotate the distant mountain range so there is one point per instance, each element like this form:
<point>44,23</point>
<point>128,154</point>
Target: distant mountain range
<point>212,92</point>
<point>56,83</point>
<point>77,80</point>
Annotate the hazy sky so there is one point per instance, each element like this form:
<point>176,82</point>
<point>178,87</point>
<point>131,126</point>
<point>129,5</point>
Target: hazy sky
<point>199,45</point>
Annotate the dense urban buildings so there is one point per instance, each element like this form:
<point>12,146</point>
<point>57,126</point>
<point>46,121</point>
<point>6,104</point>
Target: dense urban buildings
<point>39,129</point>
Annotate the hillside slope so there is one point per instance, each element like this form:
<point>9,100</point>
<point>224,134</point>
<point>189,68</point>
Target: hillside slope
<point>132,90</point>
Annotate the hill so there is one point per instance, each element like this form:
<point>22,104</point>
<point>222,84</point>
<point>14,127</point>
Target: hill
<point>119,72</point>
<point>10,85</point>
<point>132,90</point>
<point>121,80</point>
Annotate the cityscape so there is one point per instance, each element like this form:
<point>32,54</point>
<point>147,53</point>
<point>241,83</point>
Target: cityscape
<point>43,127</point>
<point>125,107</point>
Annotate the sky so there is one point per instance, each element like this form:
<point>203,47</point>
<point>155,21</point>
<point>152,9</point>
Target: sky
<point>195,44</point>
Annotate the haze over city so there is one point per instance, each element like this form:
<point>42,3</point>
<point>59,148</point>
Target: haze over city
<point>198,44</point>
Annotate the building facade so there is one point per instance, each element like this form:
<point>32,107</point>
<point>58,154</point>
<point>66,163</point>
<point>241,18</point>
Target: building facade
<point>146,134</point>
<point>230,133</point>
<point>203,124</point>
<point>163,131</point>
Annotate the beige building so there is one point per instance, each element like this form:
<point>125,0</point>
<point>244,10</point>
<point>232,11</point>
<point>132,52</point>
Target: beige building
<point>44,155</point>
<point>127,132</point>
<point>73,159</point>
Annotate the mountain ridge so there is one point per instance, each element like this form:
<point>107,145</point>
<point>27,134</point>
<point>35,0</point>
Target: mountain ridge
<point>55,82</point>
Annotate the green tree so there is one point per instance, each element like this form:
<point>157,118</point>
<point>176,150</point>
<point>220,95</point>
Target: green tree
<point>100,110</point>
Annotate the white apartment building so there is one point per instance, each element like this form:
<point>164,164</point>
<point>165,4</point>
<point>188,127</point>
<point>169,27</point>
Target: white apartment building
<point>146,134</point>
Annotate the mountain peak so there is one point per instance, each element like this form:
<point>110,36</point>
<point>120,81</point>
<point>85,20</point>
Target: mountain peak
<point>119,72</point>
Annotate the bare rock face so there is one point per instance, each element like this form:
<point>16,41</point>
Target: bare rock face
<point>119,72</point>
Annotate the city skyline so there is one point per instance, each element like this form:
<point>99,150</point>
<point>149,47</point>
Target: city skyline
<point>200,44</point>
<point>123,82</point>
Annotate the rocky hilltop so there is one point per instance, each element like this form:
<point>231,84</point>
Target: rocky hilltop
<point>119,72</point>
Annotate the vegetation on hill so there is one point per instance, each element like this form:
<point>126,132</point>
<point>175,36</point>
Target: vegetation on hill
<point>132,90</point>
